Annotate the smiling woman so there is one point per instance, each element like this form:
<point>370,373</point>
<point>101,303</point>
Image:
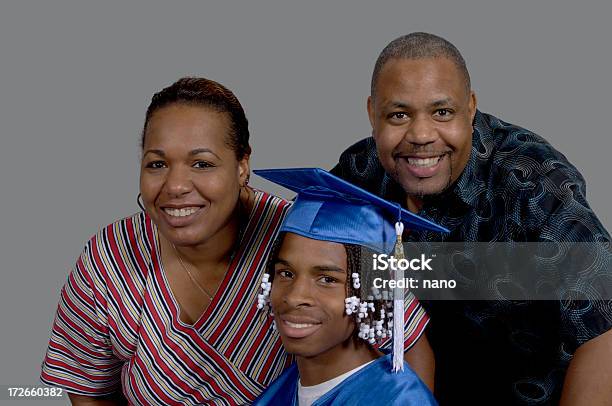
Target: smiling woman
<point>158,309</point>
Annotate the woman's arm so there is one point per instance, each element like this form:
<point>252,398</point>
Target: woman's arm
<point>111,400</point>
<point>80,355</point>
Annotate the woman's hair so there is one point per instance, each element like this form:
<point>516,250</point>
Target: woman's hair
<point>205,93</point>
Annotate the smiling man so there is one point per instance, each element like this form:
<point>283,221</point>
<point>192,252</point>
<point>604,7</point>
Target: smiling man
<point>485,180</point>
<point>422,118</point>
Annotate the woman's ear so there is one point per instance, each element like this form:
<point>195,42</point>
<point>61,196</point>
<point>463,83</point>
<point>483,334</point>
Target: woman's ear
<point>244,171</point>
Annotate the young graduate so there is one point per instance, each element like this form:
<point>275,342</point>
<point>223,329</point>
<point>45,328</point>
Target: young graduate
<point>313,288</point>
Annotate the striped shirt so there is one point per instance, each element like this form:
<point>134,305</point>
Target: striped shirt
<point>117,325</point>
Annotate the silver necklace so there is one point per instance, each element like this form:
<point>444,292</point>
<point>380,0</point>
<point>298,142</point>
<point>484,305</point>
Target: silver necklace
<point>193,279</point>
<point>195,282</point>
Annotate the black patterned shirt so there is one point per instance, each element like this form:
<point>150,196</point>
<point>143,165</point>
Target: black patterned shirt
<point>515,187</point>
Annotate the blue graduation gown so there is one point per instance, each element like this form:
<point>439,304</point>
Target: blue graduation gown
<point>374,384</point>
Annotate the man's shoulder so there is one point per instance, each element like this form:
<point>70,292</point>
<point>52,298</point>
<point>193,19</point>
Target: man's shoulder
<point>360,159</point>
<point>359,164</point>
<point>518,158</point>
<point>513,164</point>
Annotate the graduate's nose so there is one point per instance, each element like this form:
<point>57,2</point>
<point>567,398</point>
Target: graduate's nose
<point>299,293</point>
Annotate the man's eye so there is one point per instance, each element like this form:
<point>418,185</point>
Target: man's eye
<point>398,116</point>
<point>202,165</point>
<point>156,165</point>
<point>443,113</point>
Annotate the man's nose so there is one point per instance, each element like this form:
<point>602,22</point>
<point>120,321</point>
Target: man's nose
<point>421,131</point>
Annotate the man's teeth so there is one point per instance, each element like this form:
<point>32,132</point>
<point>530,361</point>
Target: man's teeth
<point>298,325</point>
<point>181,212</point>
<point>424,162</point>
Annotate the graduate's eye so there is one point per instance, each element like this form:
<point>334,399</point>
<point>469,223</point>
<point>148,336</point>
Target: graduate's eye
<point>283,273</point>
<point>328,280</point>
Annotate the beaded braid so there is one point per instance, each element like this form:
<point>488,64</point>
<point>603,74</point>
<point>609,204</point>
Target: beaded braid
<point>263,298</point>
<point>371,312</point>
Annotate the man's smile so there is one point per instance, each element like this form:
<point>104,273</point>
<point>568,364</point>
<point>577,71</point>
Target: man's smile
<point>418,167</point>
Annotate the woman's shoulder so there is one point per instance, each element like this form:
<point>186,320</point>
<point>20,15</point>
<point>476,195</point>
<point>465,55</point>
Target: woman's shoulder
<point>127,232</point>
<point>268,198</point>
<point>123,248</point>
<point>267,203</point>
<point>266,216</point>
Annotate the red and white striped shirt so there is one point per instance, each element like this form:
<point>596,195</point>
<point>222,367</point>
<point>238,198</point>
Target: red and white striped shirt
<point>117,323</point>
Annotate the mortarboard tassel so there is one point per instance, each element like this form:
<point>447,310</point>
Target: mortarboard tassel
<point>398,303</point>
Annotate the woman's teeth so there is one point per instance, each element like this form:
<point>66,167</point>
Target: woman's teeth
<point>424,162</point>
<point>181,212</point>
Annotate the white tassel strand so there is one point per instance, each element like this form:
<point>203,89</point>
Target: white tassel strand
<point>398,304</point>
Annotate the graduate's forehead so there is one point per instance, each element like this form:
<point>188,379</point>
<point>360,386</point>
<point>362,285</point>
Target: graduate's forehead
<point>310,254</point>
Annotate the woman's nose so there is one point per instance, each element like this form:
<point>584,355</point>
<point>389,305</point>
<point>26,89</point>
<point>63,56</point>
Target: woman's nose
<point>178,182</point>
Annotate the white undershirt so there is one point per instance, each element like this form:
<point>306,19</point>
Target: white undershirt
<point>307,395</point>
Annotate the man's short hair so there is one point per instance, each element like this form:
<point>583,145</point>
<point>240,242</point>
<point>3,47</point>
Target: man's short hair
<point>419,45</point>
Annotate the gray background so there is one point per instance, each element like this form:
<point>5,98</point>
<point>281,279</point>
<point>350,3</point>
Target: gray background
<point>76,77</point>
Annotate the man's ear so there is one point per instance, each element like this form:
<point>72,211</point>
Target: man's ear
<point>472,105</point>
<point>371,111</point>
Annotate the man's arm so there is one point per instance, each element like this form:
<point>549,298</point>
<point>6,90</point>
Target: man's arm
<point>421,359</point>
<point>588,380</point>
<point>589,377</point>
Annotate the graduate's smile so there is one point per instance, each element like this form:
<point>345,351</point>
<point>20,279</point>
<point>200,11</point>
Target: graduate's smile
<point>291,326</point>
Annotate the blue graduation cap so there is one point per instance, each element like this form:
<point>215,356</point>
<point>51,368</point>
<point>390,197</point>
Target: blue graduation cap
<point>331,209</point>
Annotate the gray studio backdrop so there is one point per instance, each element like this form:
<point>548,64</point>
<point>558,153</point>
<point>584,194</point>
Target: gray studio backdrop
<point>76,77</point>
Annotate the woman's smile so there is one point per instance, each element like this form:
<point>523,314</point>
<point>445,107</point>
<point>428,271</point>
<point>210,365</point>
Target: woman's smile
<point>182,217</point>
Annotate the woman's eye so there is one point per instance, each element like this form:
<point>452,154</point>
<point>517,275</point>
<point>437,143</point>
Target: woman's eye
<point>202,165</point>
<point>155,165</point>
